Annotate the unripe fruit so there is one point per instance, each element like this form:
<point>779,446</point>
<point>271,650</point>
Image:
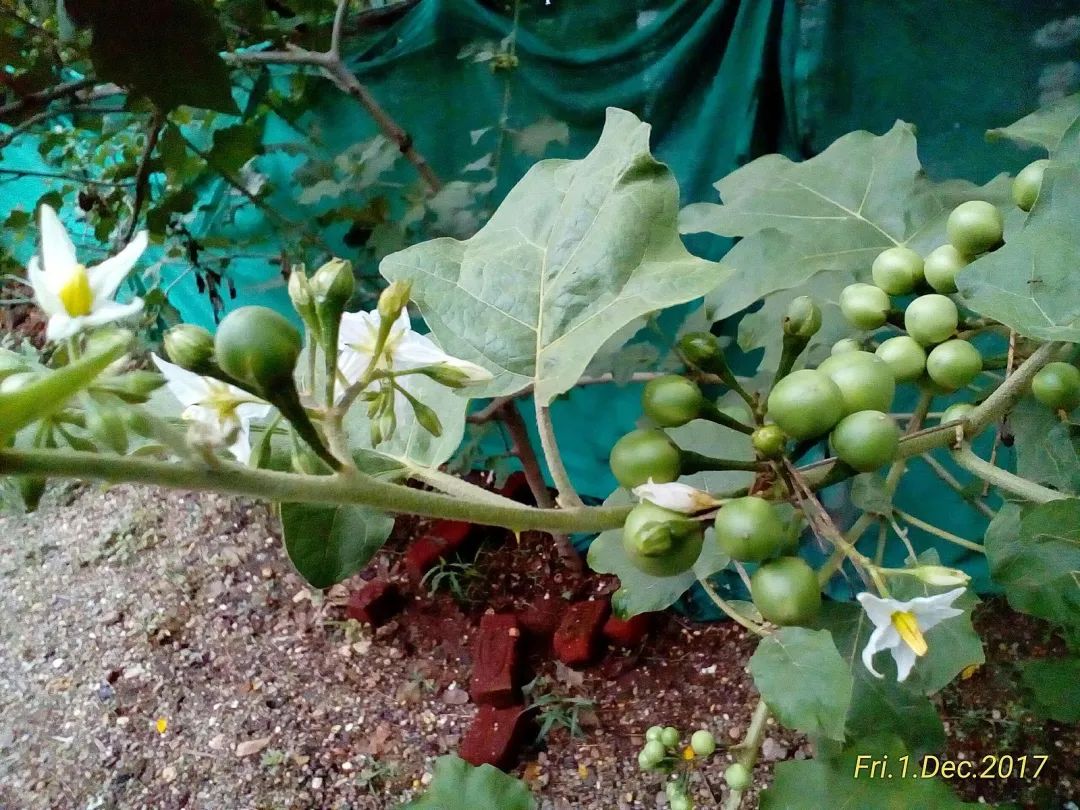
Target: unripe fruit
<point>703,743</point>
<point>975,227</point>
<point>737,776</point>
<point>953,364</point>
<point>846,345</point>
<point>749,529</point>
<point>864,306</point>
<point>670,736</point>
<point>904,356</point>
<point>769,441</point>
<point>671,401</point>
<point>644,454</point>
<point>645,762</point>
<point>1025,188</point>
<point>258,347</point>
<point>786,591</point>
<point>803,318</point>
<point>941,266</point>
<point>701,349</point>
<point>866,440</point>
<point>1057,386</point>
<point>653,733</point>
<point>865,381</point>
<point>956,413</point>
<point>805,404</point>
<point>897,270</point>
<point>661,542</point>
<point>654,751</point>
<point>931,319</point>
<point>681,803</point>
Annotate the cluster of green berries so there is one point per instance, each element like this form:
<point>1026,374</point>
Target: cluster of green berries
<point>662,752</point>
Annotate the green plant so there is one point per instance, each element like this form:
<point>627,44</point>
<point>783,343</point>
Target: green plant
<point>555,709</point>
<point>459,578</point>
<point>372,405</point>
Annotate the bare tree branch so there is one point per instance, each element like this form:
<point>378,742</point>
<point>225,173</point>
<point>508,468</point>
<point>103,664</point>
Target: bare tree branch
<point>45,96</point>
<point>142,173</point>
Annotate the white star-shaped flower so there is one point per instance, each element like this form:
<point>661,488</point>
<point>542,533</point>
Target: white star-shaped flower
<point>404,349</point>
<point>72,295</point>
<point>899,627</point>
<point>676,497</point>
<point>222,412</point>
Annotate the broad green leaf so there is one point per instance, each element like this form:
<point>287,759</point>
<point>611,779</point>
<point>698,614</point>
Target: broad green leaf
<point>710,439</point>
<point>879,705</point>
<point>640,592</point>
<point>49,391</point>
<point>803,679</point>
<point>846,781</point>
<point>166,50</point>
<point>1046,448</point>
<point>1045,127</point>
<point>1029,284</point>
<point>953,645</point>
<point>1035,555</point>
<point>869,493</point>
<point>328,544</point>
<point>1052,683</point>
<point>460,786</point>
<point>577,250</point>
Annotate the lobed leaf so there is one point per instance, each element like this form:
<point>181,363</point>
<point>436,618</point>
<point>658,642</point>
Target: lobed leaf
<point>460,786</point>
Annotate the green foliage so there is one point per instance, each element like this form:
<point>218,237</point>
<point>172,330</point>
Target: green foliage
<point>328,544</point>
<point>459,579</point>
<point>845,781</point>
<point>555,709</point>
<point>806,683</point>
<point>1028,284</point>
<point>1034,553</point>
<point>460,786</point>
<point>587,246</point>
<point>879,706</point>
<point>1052,683</point>
<point>147,46</point>
<point>1046,127</point>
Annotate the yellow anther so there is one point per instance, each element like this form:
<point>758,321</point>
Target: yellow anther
<point>75,294</point>
<point>909,631</point>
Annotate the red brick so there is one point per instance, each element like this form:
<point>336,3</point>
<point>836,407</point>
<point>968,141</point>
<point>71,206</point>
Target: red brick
<point>374,603</point>
<point>495,661</point>
<point>541,618</point>
<point>495,736</point>
<point>516,487</point>
<point>627,632</point>
<point>454,532</point>
<point>577,641</point>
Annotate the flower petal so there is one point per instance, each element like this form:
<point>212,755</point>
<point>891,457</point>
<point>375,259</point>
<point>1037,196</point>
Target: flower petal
<point>241,448</point>
<point>108,311</point>
<point>47,299</point>
<point>880,610</point>
<point>187,386</point>
<point>106,277</point>
<point>358,331</point>
<point>905,659</point>
<point>414,350</point>
<point>247,411</point>
<point>57,251</point>
<point>675,496</point>
<point>874,645</point>
<point>62,326</point>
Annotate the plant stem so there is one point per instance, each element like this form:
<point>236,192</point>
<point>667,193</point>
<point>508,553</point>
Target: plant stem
<point>750,746</point>
<point>347,487</point>
<point>692,462</point>
<point>731,613</point>
<point>934,530</point>
<point>567,494</point>
<point>950,480</point>
<point>1003,479</point>
<point>714,414</point>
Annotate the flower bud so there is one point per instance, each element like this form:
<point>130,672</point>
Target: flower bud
<point>676,497</point>
<point>940,576</point>
<point>189,346</point>
<point>393,300</point>
<point>803,318</point>
<point>333,284</point>
<point>107,427</point>
<point>457,374</point>
<point>134,387</point>
<point>427,417</point>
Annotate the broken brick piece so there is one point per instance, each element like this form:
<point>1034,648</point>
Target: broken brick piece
<point>374,603</point>
<point>516,487</point>
<point>495,661</point>
<point>541,619</point>
<point>577,641</point>
<point>627,632</point>
<point>494,736</point>
<point>454,532</point>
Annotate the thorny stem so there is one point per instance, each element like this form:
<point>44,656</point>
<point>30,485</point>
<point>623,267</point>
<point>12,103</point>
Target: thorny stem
<point>1003,479</point>
<point>749,748</point>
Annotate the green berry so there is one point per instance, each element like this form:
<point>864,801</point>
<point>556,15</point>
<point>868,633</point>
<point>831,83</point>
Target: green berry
<point>703,743</point>
<point>670,736</point>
